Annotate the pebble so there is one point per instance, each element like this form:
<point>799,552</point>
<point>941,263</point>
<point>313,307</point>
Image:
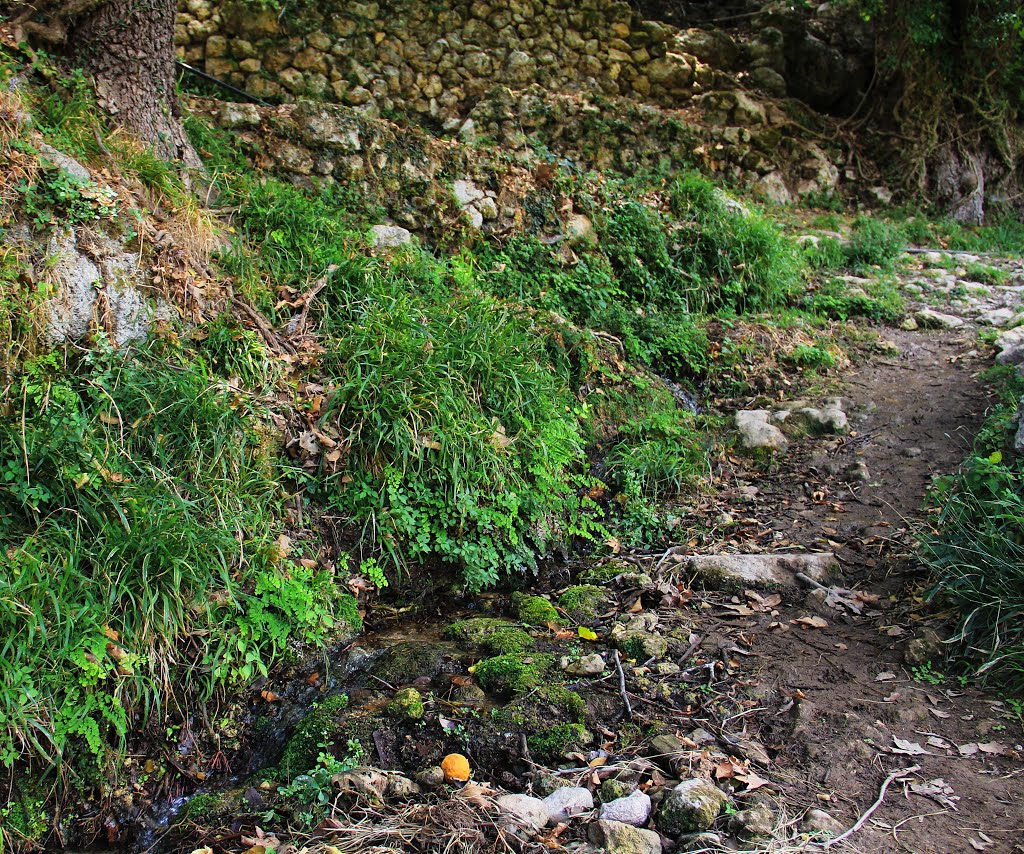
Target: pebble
<point>527,810</point>
<point>634,809</point>
<point>563,804</point>
<point>819,823</point>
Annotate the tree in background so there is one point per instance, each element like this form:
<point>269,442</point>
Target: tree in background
<point>128,48</point>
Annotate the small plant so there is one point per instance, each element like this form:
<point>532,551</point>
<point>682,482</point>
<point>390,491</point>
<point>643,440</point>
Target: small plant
<point>926,673</point>
<point>874,243</point>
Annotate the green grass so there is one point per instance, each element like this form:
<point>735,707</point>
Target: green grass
<point>976,547</point>
<point>139,508</point>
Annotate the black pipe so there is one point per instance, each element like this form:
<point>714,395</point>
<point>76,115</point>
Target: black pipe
<point>222,84</point>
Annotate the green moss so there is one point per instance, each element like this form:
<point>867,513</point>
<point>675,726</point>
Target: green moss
<point>476,629</point>
<point>405,661</point>
<point>25,817</point>
<point>313,730</point>
<point>508,642</point>
<point>583,600</point>
<point>407,703</point>
<point>211,805</point>
<point>346,612</point>
<point>541,707</point>
<point>557,739</point>
<point>508,675</point>
<point>534,610</point>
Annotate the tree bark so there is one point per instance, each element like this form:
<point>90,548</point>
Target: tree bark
<point>128,47</point>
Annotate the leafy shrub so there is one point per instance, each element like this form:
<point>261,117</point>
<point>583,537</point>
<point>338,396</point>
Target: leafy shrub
<point>738,260</point>
<point>874,243</point>
<point>658,455</point>
<point>827,254</point>
<point>462,441</point>
<point>833,299</point>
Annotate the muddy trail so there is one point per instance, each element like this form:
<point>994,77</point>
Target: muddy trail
<point>813,697</point>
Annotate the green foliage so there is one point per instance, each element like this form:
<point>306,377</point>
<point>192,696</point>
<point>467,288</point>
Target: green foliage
<point>313,792</point>
<point>810,357</point>
<point>874,243</point>
<point>461,438</point>
<point>827,254</point>
<point>659,454</point>
<point>976,547</point>
<point>986,274</point>
<point>137,504</point>
<point>739,260</point>
<point>882,301</point>
<point>310,734</point>
<point>56,197</point>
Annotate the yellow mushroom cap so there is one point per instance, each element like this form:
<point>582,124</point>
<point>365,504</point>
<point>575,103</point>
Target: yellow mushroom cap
<point>455,767</point>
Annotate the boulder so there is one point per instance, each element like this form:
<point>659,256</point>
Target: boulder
<point>819,824</point>
<point>389,236</point>
<point>528,811</point>
<point>1011,346</point>
<point>756,433</point>
<point>930,319</point>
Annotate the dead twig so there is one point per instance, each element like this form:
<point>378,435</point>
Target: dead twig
<point>859,823</point>
<point>622,686</point>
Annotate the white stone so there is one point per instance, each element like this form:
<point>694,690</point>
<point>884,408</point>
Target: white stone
<point>764,569</point>
<point>562,804</point>
<point>931,319</point>
<point>525,809</point>
<point>634,809</point>
<point>62,161</point>
<point>389,235</point>
<point>466,192</point>
<point>756,431</point>
<point>616,837</point>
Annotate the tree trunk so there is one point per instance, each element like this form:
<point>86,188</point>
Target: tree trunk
<point>128,47</point>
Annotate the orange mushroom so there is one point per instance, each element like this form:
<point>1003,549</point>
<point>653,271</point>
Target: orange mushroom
<point>455,767</point>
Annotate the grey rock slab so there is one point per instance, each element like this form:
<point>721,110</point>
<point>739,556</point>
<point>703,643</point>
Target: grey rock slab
<point>931,319</point>
<point>756,431</point>
<point>1011,346</point>
<point>996,317</point>
<point>617,837</point>
<point>526,810</point>
<point>634,809</point>
<point>77,278</point>
<point>754,823</point>
<point>389,236</point>
<point>63,161</point>
<point>563,804</point>
<point>691,807</point>
<point>772,570</point>
<point>466,192</point>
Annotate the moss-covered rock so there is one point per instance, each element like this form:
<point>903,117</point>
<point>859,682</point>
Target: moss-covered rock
<point>542,707</point>
<point>314,729</point>
<point>508,675</point>
<point>690,807</point>
<point>408,704</point>
<point>534,610</point>
<point>556,740</point>
<point>403,662</point>
<point>496,636</point>
<point>584,601</point>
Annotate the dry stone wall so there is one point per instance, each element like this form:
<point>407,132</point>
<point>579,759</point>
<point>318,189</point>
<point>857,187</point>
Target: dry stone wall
<point>433,59</point>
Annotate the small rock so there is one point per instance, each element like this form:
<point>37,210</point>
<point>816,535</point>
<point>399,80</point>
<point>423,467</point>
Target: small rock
<point>589,665</point>
<point>488,208</point>
<point>545,782</point>
<point>912,451</point>
<point>579,229</point>
<point>65,162</point>
<point>563,804</point>
<point>690,807</point>
<point>1011,346</point>
<point>758,822</point>
<point>620,838</point>
<point>431,778</point>
<point>407,703</point>
<point>665,745</point>
<point>466,192</point>
<point>818,823</point>
<point>931,319</point>
<point>235,115</point>
<point>389,236</point>
<point>908,324</point>
<point>699,842</point>
<point>724,520</point>
<point>474,216</point>
<point>633,809</point>
<point>613,789</point>
<point>401,788</point>
<point>757,433</point>
<point>926,647</point>
<point>526,810</point>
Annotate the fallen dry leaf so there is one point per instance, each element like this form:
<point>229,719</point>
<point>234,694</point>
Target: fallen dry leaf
<point>909,748</point>
<point>811,622</point>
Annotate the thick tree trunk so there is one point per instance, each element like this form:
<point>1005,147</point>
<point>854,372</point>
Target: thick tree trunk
<point>128,46</point>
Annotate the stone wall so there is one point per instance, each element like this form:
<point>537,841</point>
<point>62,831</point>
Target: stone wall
<point>436,60</point>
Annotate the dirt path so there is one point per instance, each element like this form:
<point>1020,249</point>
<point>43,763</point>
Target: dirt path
<point>917,415</point>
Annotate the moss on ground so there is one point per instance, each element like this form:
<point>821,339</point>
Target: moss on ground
<point>557,739</point>
<point>407,703</point>
<point>584,601</point>
<point>509,675</point>
<point>534,610</point>
<point>303,745</point>
<point>496,636</point>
